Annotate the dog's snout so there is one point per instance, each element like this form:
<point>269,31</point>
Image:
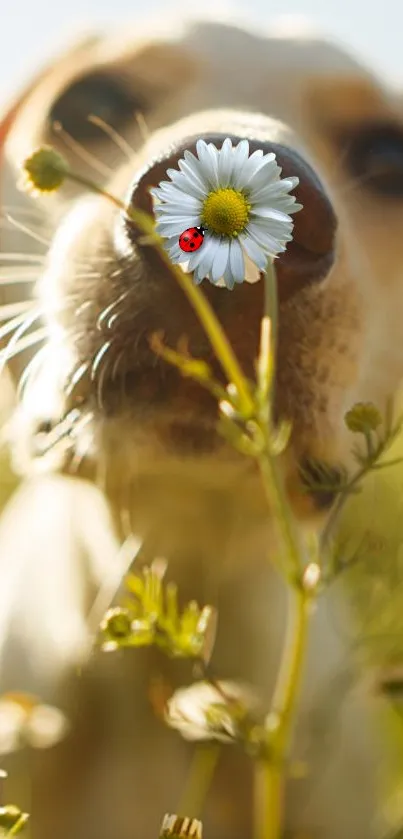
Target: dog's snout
<point>310,255</point>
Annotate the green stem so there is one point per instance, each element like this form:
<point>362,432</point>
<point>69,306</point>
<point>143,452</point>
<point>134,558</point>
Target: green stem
<point>203,765</point>
<point>275,494</point>
<point>271,304</point>
<point>271,774</point>
<point>268,343</point>
<point>216,335</point>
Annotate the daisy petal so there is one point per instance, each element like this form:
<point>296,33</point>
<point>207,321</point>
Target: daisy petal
<point>209,248</point>
<point>236,261</point>
<point>241,176</point>
<point>176,254</point>
<point>191,164</point>
<point>241,153</point>
<point>220,260</point>
<point>267,212</point>
<point>272,192</point>
<point>252,272</point>
<point>190,167</point>
<point>176,196</point>
<point>195,258</point>
<point>228,279</point>
<point>176,226</point>
<point>208,163</point>
<point>265,174</point>
<point>225,163</point>
<point>255,252</point>
<point>221,283</point>
<point>177,212</point>
<point>267,243</point>
<point>280,230</point>
<point>252,171</point>
<point>214,163</point>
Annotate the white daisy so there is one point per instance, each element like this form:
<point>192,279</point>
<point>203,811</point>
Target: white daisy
<point>204,711</point>
<point>239,206</point>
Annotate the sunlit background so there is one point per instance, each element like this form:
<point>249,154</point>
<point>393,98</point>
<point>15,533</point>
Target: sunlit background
<point>33,30</point>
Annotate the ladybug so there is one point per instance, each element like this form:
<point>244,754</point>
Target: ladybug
<point>191,239</point>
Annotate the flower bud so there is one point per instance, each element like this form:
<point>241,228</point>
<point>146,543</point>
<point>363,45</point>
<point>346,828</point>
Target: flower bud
<point>363,417</point>
<point>44,171</point>
<point>116,624</point>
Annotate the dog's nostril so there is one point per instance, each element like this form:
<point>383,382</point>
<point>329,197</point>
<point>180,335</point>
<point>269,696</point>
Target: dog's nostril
<point>310,255</point>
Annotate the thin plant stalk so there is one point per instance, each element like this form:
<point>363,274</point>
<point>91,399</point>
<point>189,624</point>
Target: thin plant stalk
<point>270,777</point>
<point>204,762</point>
<point>271,773</point>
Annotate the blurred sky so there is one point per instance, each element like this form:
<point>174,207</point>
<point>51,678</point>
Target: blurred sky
<point>32,30</point>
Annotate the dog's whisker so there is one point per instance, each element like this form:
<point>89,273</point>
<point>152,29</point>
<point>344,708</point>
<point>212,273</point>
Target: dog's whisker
<point>88,275</point>
<point>62,430</point>
<point>99,357</point>
<point>115,366</point>
<point>76,378</point>
<point>117,138</point>
<point>31,211</point>
<point>83,447</point>
<point>142,126</point>
<point>34,258</point>
<point>18,225</point>
<point>110,309</point>
<point>23,344</point>
<point>11,310</point>
<point>27,378</point>
<point>81,152</point>
<point>19,320</point>
<point>18,277</point>
<point>101,379</point>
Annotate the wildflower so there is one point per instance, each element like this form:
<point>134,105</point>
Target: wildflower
<point>206,711</point>
<point>362,418</point>
<point>25,721</point>
<point>153,617</point>
<point>180,827</point>
<point>44,171</point>
<point>225,211</point>
<point>116,624</point>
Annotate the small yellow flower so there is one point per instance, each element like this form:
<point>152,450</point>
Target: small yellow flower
<point>362,418</point>
<point>44,171</point>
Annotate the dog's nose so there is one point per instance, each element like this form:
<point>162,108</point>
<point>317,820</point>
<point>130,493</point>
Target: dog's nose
<point>310,255</point>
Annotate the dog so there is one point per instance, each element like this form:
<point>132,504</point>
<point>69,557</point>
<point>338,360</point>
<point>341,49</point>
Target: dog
<point>117,447</point>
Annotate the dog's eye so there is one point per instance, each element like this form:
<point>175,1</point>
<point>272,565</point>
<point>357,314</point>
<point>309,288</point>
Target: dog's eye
<point>375,156</point>
<point>98,95</point>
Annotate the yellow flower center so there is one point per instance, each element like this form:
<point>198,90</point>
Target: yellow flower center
<point>226,212</point>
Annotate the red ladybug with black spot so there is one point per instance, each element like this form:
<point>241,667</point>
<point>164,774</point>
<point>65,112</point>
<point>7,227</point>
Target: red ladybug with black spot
<point>191,239</point>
